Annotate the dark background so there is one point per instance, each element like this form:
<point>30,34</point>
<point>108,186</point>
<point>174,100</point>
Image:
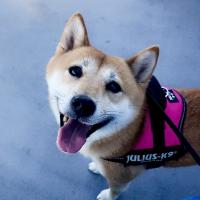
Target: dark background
<point>31,167</point>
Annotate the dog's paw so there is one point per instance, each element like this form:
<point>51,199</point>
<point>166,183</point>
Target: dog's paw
<point>105,195</point>
<point>93,168</point>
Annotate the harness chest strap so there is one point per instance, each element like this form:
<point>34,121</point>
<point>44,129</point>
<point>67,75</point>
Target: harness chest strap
<point>150,158</point>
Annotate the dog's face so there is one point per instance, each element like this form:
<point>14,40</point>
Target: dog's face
<point>94,95</point>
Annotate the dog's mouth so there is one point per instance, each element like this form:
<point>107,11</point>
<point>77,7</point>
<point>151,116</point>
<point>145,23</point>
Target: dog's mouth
<point>73,134</point>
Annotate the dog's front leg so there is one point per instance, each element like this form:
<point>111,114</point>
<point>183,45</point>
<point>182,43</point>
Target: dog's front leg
<point>112,192</point>
<point>118,178</point>
<point>92,166</point>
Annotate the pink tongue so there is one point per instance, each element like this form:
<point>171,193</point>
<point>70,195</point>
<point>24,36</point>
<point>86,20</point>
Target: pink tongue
<point>72,136</point>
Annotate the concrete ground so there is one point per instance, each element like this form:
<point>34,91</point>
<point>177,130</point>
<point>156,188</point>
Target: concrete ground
<point>31,167</point>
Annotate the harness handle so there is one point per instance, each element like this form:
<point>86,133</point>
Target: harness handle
<point>187,145</point>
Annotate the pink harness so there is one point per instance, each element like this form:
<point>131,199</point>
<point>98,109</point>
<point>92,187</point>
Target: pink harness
<point>175,110</point>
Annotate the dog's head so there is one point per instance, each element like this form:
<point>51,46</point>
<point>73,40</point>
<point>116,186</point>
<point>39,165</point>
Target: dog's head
<point>94,95</point>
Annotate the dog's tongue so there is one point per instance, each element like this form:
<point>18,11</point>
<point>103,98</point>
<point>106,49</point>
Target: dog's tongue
<point>72,136</point>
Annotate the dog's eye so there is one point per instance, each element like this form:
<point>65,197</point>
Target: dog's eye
<point>113,86</point>
<point>76,71</point>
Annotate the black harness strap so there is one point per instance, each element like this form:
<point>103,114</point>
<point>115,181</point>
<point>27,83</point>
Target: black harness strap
<point>158,93</point>
<point>157,125</point>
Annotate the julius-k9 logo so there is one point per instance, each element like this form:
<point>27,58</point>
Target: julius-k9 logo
<point>150,157</point>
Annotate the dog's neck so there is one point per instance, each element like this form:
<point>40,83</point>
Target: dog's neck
<point>123,140</point>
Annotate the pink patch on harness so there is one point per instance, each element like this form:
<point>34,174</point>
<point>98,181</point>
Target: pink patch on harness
<point>174,111</point>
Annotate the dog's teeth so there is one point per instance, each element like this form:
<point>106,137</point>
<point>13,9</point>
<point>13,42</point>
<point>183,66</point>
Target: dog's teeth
<point>65,119</point>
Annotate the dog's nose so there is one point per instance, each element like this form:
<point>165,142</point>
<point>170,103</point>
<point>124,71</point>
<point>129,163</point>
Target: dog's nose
<point>83,106</point>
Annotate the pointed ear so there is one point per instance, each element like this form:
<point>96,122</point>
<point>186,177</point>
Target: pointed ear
<point>74,35</point>
<point>143,64</point>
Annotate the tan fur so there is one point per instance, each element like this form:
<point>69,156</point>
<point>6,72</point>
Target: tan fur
<point>118,144</point>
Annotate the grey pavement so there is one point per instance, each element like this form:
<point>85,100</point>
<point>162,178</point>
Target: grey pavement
<point>31,167</point>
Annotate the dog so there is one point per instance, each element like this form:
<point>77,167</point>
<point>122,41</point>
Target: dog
<point>99,101</point>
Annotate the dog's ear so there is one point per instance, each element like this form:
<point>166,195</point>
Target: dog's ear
<point>74,35</point>
<point>143,64</point>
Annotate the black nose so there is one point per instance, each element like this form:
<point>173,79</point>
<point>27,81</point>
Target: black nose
<point>82,106</point>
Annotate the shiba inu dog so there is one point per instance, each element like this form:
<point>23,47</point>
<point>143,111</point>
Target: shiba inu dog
<point>99,101</point>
